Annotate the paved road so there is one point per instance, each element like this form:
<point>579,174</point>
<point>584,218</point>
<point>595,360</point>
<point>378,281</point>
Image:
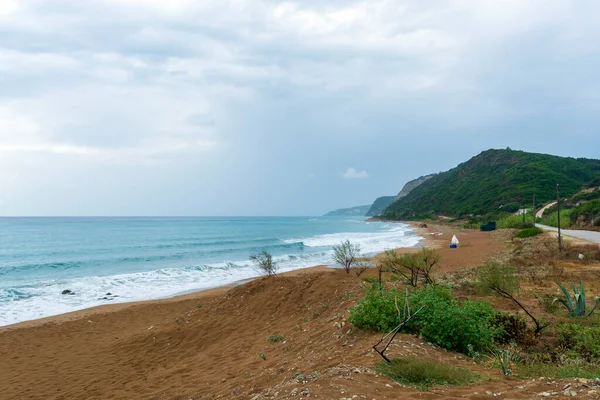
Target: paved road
<point>590,236</point>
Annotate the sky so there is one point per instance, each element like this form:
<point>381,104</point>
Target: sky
<point>257,107</point>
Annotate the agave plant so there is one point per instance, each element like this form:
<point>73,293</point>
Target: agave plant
<point>504,359</point>
<point>576,304</point>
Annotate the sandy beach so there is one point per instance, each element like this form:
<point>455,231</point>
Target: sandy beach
<point>213,344</point>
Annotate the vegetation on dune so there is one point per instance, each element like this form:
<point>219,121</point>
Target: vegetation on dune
<point>576,305</point>
<point>424,374</point>
<point>583,340</point>
<point>554,371</point>
<point>464,326</point>
<point>412,268</point>
<point>264,263</point>
<point>502,281</point>
<point>347,254</point>
<point>275,338</point>
<point>492,180</point>
<point>529,343</point>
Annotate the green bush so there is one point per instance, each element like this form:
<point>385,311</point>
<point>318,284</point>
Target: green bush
<point>454,325</point>
<point>527,233</point>
<point>584,340</point>
<point>514,328</point>
<point>424,374</point>
<point>377,310</point>
<point>458,325</point>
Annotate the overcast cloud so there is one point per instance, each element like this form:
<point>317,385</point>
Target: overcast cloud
<point>235,107</point>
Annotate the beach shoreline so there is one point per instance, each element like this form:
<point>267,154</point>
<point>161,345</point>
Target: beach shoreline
<point>425,241</point>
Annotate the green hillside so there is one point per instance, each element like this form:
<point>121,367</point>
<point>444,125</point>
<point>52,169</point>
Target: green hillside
<point>380,205</point>
<point>494,182</point>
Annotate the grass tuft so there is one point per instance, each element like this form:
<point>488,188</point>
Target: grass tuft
<point>424,374</point>
<point>550,371</point>
<point>274,338</point>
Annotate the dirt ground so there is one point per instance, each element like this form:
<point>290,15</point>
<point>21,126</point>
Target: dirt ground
<point>215,344</point>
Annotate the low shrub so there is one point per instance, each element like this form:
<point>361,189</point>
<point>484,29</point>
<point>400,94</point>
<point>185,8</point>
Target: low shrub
<point>504,359</point>
<point>464,326</point>
<point>274,338</point>
<point>514,329</point>
<point>424,374</point>
<point>495,278</point>
<point>264,263</point>
<point>527,233</point>
<point>412,267</point>
<point>377,310</point>
<point>453,324</point>
<point>585,340</point>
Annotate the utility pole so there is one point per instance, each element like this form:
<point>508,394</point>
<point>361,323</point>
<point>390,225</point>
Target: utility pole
<point>558,204</point>
<point>533,211</point>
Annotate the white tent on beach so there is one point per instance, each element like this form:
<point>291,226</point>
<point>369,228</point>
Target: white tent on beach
<point>454,242</point>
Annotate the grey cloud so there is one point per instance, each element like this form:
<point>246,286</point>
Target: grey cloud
<point>210,100</point>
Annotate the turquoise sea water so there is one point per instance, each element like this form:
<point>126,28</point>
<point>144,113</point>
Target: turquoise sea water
<point>149,258</point>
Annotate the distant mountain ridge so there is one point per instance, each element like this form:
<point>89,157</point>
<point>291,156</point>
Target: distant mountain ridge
<point>380,204</point>
<point>491,180</point>
<point>359,211</point>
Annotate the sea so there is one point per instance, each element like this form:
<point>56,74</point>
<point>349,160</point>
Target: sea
<point>109,260</point>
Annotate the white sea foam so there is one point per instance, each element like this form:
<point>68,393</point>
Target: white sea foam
<point>32,302</point>
<point>393,236</point>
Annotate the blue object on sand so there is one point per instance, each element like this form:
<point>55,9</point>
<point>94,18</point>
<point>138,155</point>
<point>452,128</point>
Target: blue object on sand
<point>453,246</point>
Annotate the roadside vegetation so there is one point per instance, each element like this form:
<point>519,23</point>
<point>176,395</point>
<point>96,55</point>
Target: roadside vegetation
<point>581,211</point>
<point>528,232</point>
